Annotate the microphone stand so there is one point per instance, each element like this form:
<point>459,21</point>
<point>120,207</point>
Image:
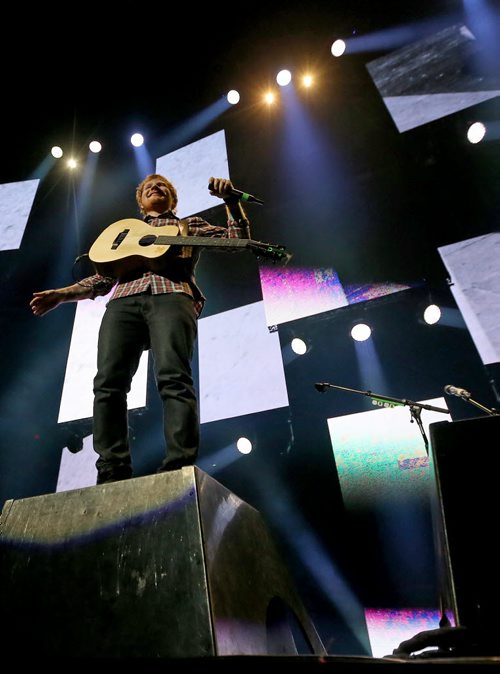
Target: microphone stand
<point>415,411</point>
<point>388,401</point>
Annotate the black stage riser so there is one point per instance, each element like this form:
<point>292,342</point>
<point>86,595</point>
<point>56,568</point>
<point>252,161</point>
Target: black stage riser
<point>169,565</point>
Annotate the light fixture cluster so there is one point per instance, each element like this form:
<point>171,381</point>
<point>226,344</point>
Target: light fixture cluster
<point>475,133</point>
<point>361,331</point>
<point>283,79</point>
<point>57,152</point>
<point>137,139</point>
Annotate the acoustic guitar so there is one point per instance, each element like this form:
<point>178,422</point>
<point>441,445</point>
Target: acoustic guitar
<point>131,243</point>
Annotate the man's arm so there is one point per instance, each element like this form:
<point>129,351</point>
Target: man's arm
<point>46,300</point>
<point>238,225</point>
<point>235,210</point>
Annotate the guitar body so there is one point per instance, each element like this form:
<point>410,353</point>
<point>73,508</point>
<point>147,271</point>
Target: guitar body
<point>130,244</point>
<point>119,249</point>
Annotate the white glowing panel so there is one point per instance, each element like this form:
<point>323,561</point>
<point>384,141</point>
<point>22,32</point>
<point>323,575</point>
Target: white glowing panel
<point>433,77</point>
<point>77,470</point>
<point>294,292</point>
<point>381,456</point>
<point>240,364</point>
<point>77,394</point>
<point>189,169</point>
<point>16,201</point>
<point>291,292</point>
<point>474,266</point>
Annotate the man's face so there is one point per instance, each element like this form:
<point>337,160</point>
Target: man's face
<point>156,197</point>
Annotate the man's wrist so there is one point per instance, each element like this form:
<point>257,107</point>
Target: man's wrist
<point>231,200</point>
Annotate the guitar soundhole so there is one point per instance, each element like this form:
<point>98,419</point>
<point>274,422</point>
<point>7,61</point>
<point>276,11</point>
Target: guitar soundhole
<point>147,240</point>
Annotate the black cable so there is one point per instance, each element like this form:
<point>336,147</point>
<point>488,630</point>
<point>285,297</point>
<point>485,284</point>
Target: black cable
<point>73,273</point>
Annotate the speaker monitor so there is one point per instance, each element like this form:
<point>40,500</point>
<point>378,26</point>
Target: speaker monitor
<point>466,459</point>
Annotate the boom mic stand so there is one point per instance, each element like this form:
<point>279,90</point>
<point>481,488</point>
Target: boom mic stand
<point>388,401</point>
<point>415,412</point>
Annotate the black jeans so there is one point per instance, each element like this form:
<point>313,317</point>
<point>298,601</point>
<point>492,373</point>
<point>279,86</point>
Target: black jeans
<point>167,324</point>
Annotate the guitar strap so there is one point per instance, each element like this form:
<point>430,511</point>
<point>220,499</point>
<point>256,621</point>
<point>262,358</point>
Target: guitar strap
<point>184,231</point>
<point>183,228</point>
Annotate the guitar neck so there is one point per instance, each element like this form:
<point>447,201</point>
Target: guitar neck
<point>204,241</point>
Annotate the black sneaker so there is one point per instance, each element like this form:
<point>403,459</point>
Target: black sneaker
<point>115,475</point>
<point>176,464</point>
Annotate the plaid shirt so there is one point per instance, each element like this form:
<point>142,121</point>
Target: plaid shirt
<point>180,263</point>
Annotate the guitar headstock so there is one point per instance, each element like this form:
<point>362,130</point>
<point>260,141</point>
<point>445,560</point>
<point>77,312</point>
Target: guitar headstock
<point>271,251</point>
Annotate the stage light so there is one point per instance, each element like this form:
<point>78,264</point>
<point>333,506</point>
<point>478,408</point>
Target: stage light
<point>72,164</point>
<point>284,77</point>
<point>244,445</point>
<point>361,332</point>
<point>269,98</point>
<point>233,97</point>
<point>432,314</point>
<point>137,139</point>
<point>476,132</point>
<point>95,146</point>
<point>299,346</point>
<point>307,80</point>
<point>338,47</point>
<point>56,152</point>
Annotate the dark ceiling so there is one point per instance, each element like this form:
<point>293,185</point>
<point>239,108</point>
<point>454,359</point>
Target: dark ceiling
<point>89,69</point>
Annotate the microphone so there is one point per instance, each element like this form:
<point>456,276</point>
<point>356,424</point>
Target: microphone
<point>454,391</point>
<point>244,196</point>
<point>320,387</point>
